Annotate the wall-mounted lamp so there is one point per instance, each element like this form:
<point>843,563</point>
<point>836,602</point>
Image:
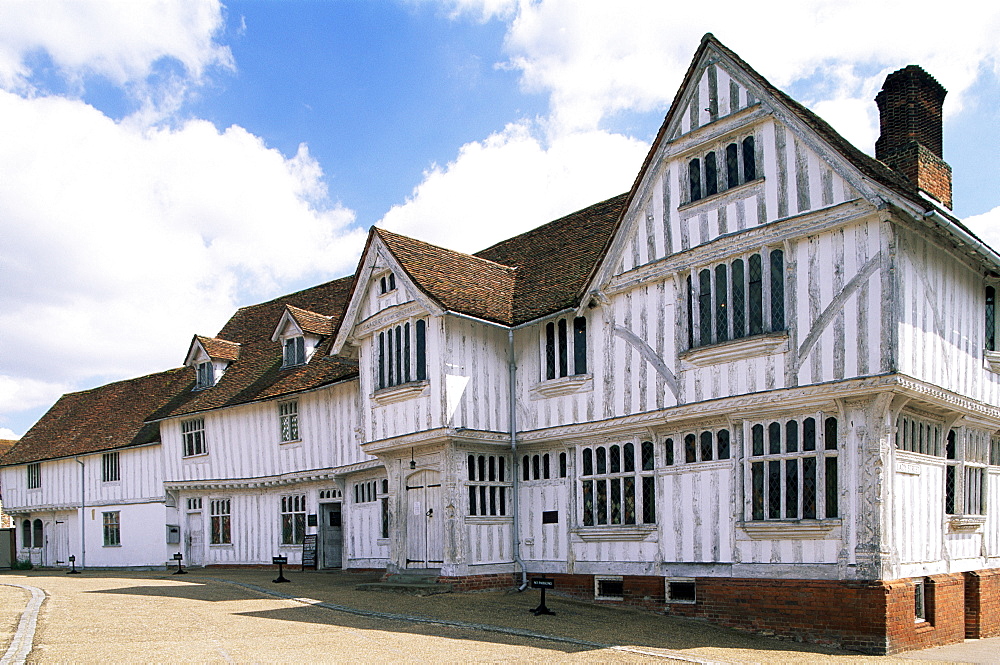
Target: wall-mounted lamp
<point>413,462</point>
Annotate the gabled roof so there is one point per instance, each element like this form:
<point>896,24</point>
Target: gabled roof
<point>5,445</point>
<point>457,282</point>
<point>214,348</point>
<point>258,373</point>
<point>106,418</point>
<point>307,322</point>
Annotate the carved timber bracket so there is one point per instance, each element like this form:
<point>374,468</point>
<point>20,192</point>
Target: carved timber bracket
<point>834,308</point>
<point>650,356</point>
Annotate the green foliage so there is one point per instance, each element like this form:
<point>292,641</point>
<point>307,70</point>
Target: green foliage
<point>22,564</point>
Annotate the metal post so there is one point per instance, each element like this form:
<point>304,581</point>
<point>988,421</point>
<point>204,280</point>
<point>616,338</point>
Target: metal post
<point>280,561</point>
<point>72,562</point>
<point>180,570</point>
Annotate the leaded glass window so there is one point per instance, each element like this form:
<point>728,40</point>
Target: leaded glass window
<point>613,490</point>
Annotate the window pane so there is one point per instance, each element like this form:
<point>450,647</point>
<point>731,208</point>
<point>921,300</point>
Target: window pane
<point>550,350</point>
<point>791,436</point>
<point>949,490</point>
<point>756,304</point>
<point>628,501</point>
<point>757,434</point>
<point>721,301</point>
<point>615,459</point>
<point>526,466</point>
<point>381,360</point>
<point>562,465</point>
<point>588,503</point>
<point>535,468</point>
<point>563,358</point>
<point>602,501</point>
<point>706,446</point>
<point>602,466</point>
<point>757,485</point>
<point>774,438</point>
<point>588,462</point>
<point>690,312</point>
<point>690,449</point>
<point>722,438</point>
<point>809,434</point>
<point>421,350</point>
<point>809,488</point>
<point>739,301</point>
<point>792,488</point>
<point>774,490</point>
<point>628,458</point>
<point>580,345</point>
<point>648,500</point>
<point>732,165</point>
<point>831,487</point>
<point>406,352</point>
<point>545,466</point>
<point>616,501</point>
<point>749,160</point>
<point>472,467</point>
<point>711,175</point>
<point>777,290</point>
<point>492,469</point>
<point>648,456</point>
<point>482,467</point>
<point>472,499</point>
<point>669,448</point>
<point>694,176</point>
<point>830,434</point>
<point>991,320</point>
<point>705,306</point>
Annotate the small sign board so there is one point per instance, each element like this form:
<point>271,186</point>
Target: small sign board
<point>279,560</point>
<point>178,556</point>
<point>312,520</point>
<point>309,551</point>
<point>543,583</point>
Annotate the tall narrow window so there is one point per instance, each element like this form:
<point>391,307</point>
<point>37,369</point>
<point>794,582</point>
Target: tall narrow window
<point>721,300</point>
<point>205,375</point>
<point>563,360</point>
<point>193,433</point>
<point>110,472</point>
<point>288,415</point>
<point>294,351</point>
<point>421,350</point>
<point>550,350</point>
<point>400,356</point>
<point>580,345</point>
<point>26,534</point>
<point>221,521</point>
<point>34,475</point>
<point>991,319</point>
<point>705,306</point>
<point>756,293</point>
<point>777,290</point>
<point>732,165</point>
<point>739,301</point>
<point>293,519</point>
<point>711,175</point>
<point>39,533</point>
<point>694,176</point>
<point>112,529</point>
<point>749,160</point>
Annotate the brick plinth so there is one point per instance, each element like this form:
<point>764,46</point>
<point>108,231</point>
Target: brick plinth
<point>982,604</point>
<point>494,582</point>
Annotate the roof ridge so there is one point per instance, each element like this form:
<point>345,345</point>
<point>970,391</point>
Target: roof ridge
<point>104,386</point>
<point>380,231</point>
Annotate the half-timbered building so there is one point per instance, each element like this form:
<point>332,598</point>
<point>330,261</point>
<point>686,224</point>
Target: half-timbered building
<point>761,387</point>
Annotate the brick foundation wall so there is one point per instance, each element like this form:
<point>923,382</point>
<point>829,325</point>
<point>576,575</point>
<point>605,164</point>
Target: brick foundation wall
<point>982,604</point>
<point>494,582</point>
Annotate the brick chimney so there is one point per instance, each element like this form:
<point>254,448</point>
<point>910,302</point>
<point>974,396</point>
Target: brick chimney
<point>909,108</point>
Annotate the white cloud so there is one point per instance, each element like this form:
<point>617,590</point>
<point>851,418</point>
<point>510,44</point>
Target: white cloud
<point>121,242</point>
<point>514,181</point>
<point>121,40</point>
<point>986,226</point>
<point>8,434</point>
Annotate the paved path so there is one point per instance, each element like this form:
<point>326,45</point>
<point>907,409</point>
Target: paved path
<point>226,616</point>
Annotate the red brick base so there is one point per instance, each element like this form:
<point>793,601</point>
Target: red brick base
<point>982,604</point>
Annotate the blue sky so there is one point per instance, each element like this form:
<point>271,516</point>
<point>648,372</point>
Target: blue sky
<point>163,164</point>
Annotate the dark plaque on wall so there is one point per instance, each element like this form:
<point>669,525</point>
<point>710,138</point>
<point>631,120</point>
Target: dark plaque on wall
<point>309,551</point>
<point>311,520</point>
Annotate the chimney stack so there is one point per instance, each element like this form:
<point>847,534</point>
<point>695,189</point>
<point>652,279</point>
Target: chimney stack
<point>910,118</point>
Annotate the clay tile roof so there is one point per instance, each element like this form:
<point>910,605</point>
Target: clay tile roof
<point>259,373</point>
<point>458,282</point>
<point>5,445</point>
<point>311,322</point>
<point>106,418</point>
<point>219,349</point>
<point>554,260</point>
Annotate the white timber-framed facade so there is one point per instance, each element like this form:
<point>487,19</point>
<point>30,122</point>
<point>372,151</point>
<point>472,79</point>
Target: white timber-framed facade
<point>768,369</point>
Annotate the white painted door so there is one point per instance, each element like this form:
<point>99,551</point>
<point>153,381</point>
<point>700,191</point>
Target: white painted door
<point>424,520</point>
<point>61,549</point>
<point>331,535</point>
<point>195,540</point>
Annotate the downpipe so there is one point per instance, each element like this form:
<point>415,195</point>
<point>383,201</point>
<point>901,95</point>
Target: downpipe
<point>512,398</point>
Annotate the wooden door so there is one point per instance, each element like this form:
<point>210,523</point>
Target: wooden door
<point>61,543</point>
<point>195,540</point>
<point>424,520</point>
<point>331,535</point>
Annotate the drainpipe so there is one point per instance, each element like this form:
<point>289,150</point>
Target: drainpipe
<point>513,450</point>
<point>83,505</point>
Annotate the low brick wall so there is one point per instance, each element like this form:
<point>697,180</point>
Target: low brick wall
<point>492,582</point>
<point>982,604</point>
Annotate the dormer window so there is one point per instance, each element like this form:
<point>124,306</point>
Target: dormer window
<point>387,283</point>
<point>294,352</point>
<point>206,375</point>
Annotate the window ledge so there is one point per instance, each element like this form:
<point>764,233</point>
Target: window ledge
<point>566,385</point>
<point>992,360</point>
<point>628,532</point>
<point>293,443</point>
<point>737,349</point>
<point>789,530</point>
<point>194,458</point>
<point>399,393</point>
<point>965,523</point>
